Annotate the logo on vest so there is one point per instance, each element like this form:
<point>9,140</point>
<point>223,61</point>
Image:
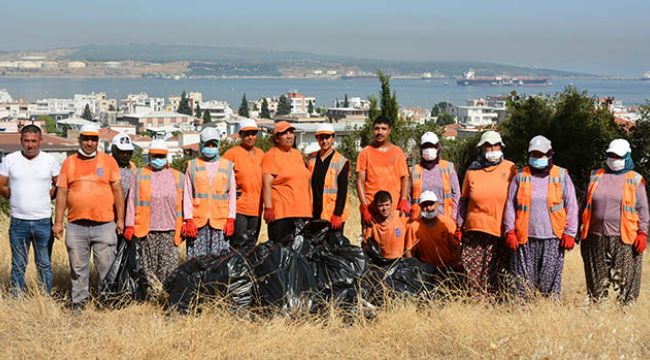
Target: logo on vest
<point>398,232</point>
<point>100,172</point>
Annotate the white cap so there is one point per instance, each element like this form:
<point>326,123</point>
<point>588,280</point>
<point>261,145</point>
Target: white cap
<point>324,128</point>
<point>539,143</point>
<point>122,141</point>
<point>247,124</point>
<point>428,196</point>
<point>158,146</point>
<point>429,137</point>
<point>619,147</point>
<point>208,134</point>
<point>89,130</point>
<point>490,137</point>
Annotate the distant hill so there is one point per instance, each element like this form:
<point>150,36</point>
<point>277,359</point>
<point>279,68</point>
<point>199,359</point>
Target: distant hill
<point>270,60</point>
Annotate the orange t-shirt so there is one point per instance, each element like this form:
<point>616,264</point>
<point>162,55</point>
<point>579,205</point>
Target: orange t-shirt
<point>291,186</point>
<point>384,171</point>
<point>435,245</point>
<point>487,192</point>
<point>390,235</point>
<point>90,196</point>
<point>248,175</point>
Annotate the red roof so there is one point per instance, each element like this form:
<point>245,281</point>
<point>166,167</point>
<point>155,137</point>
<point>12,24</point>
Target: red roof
<point>451,130</point>
<point>107,134</point>
<point>10,142</point>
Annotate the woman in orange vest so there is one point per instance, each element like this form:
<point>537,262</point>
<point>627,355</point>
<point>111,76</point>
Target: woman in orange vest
<point>209,199</point>
<point>615,226</point>
<point>480,216</point>
<point>329,179</point>
<point>154,213</point>
<point>286,180</point>
<point>434,174</point>
<point>541,221</point>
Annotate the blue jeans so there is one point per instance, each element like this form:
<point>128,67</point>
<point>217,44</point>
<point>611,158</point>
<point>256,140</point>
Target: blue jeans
<point>21,234</point>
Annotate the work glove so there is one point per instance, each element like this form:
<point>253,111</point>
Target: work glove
<point>414,214</point>
<point>129,232</point>
<point>458,235</point>
<point>336,222</point>
<point>365,214</point>
<point>640,243</point>
<point>403,207</point>
<point>269,216</point>
<point>189,229</point>
<point>511,240</point>
<point>229,229</point>
<point>568,242</point>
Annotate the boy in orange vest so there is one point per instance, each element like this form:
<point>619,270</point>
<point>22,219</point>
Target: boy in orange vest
<point>209,199</point>
<point>388,227</point>
<point>154,213</point>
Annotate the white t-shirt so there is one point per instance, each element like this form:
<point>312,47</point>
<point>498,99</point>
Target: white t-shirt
<point>30,182</point>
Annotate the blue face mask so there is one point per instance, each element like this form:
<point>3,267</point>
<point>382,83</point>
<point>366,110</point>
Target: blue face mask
<point>158,163</point>
<point>538,163</point>
<point>210,152</point>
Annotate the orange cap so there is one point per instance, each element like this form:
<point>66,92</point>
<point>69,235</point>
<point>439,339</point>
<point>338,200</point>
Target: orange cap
<point>282,126</point>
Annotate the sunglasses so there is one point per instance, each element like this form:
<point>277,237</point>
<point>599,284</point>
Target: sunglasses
<point>89,138</point>
<point>249,133</point>
<point>323,137</point>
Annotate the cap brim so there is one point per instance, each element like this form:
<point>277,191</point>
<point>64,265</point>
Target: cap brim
<point>615,151</point>
<point>90,133</point>
<point>281,130</point>
<point>124,147</point>
<point>158,151</point>
<point>324,132</point>
<point>249,128</point>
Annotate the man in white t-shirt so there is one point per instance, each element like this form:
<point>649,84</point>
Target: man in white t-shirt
<point>27,179</point>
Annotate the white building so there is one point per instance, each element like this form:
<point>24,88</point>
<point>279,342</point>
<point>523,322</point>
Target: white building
<point>219,110</point>
<point>300,103</point>
<point>476,113</point>
<point>141,104</point>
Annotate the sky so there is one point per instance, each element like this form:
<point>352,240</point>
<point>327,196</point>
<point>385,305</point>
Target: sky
<point>600,37</point>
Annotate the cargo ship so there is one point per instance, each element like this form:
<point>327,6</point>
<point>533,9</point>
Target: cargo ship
<point>469,78</point>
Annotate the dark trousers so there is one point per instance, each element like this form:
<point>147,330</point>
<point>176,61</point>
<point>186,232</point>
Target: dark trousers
<point>281,230</point>
<point>247,230</point>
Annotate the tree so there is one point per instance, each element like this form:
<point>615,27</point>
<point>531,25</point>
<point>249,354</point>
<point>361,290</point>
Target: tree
<point>265,113</point>
<point>389,106</point>
<point>50,124</point>
<point>440,108</point>
<point>197,110</point>
<point>284,107</point>
<point>206,117</point>
<point>346,102</point>
<point>87,114</point>
<point>640,143</point>
<point>310,107</point>
<point>111,107</point>
<point>445,119</point>
<point>184,105</point>
<point>243,107</point>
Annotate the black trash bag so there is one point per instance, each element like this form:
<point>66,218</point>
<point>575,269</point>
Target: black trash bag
<point>373,252</point>
<point>411,276</point>
<point>228,276</point>
<point>126,279</point>
<point>244,242</point>
<point>339,267</point>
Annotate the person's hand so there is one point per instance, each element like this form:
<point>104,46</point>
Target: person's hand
<point>459,235</point>
<point>568,242</point>
<point>365,214</point>
<point>640,243</point>
<point>511,240</point>
<point>119,227</point>
<point>57,229</point>
<point>189,229</point>
<point>129,232</point>
<point>269,215</point>
<point>403,207</point>
<point>336,222</point>
<point>229,229</point>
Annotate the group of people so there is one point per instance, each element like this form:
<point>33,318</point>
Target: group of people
<point>502,223</point>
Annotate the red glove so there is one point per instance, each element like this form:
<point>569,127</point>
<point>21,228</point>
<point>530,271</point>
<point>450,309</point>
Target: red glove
<point>365,214</point>
<point>568,242</point>
<point>511,240</point>
<point>189,229</point>
<point>129,232</point>
<point>336,222</point>
<point>269,216</point>
<point>229,229</point>
<point>458,235</point>
<point>403,207</point>
<point>641,242</point>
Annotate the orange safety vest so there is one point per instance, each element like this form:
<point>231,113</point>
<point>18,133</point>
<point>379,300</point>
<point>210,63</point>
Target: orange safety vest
<point>142,198</point>
<point>629,214</point>
<point>330,190</point>
<point>555,197</point>
<point>210,200</point>
<point>446,168</point>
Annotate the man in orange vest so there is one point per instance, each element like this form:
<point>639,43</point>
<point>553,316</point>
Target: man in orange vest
<point>434,174</point>
<point>209,199</point>
<point>388,227</point>
<point>382,166</point>
<point>540,221</point>
<point>154,213</point>
<point>329,179</point>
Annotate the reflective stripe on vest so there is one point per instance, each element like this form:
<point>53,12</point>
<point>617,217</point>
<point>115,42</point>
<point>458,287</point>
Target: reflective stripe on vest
<point>210,198</point>
<point>555,202</point>
<point>142,196</point>
<point>330,185</point>
<point>629,215</point>
<point>417,170</point>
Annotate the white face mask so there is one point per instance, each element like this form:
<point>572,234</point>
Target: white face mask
<point>429,214</point>
<point>86,155</point>
<point>493,156</point>
<point>615,164</point>
<point>429,154</point>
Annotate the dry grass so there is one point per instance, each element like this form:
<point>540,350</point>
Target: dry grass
<point>39,327</point>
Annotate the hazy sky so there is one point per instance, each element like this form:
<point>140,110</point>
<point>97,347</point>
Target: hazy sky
<point>604,37</point>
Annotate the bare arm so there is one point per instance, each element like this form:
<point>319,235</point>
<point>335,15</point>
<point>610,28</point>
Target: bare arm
<point>404,188</point>
<point>4,187</point>
<point>267,179</point>
<point>53,189</point>
<point>118,194</point>
<point>361,189</point>
<point>59,211</point>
